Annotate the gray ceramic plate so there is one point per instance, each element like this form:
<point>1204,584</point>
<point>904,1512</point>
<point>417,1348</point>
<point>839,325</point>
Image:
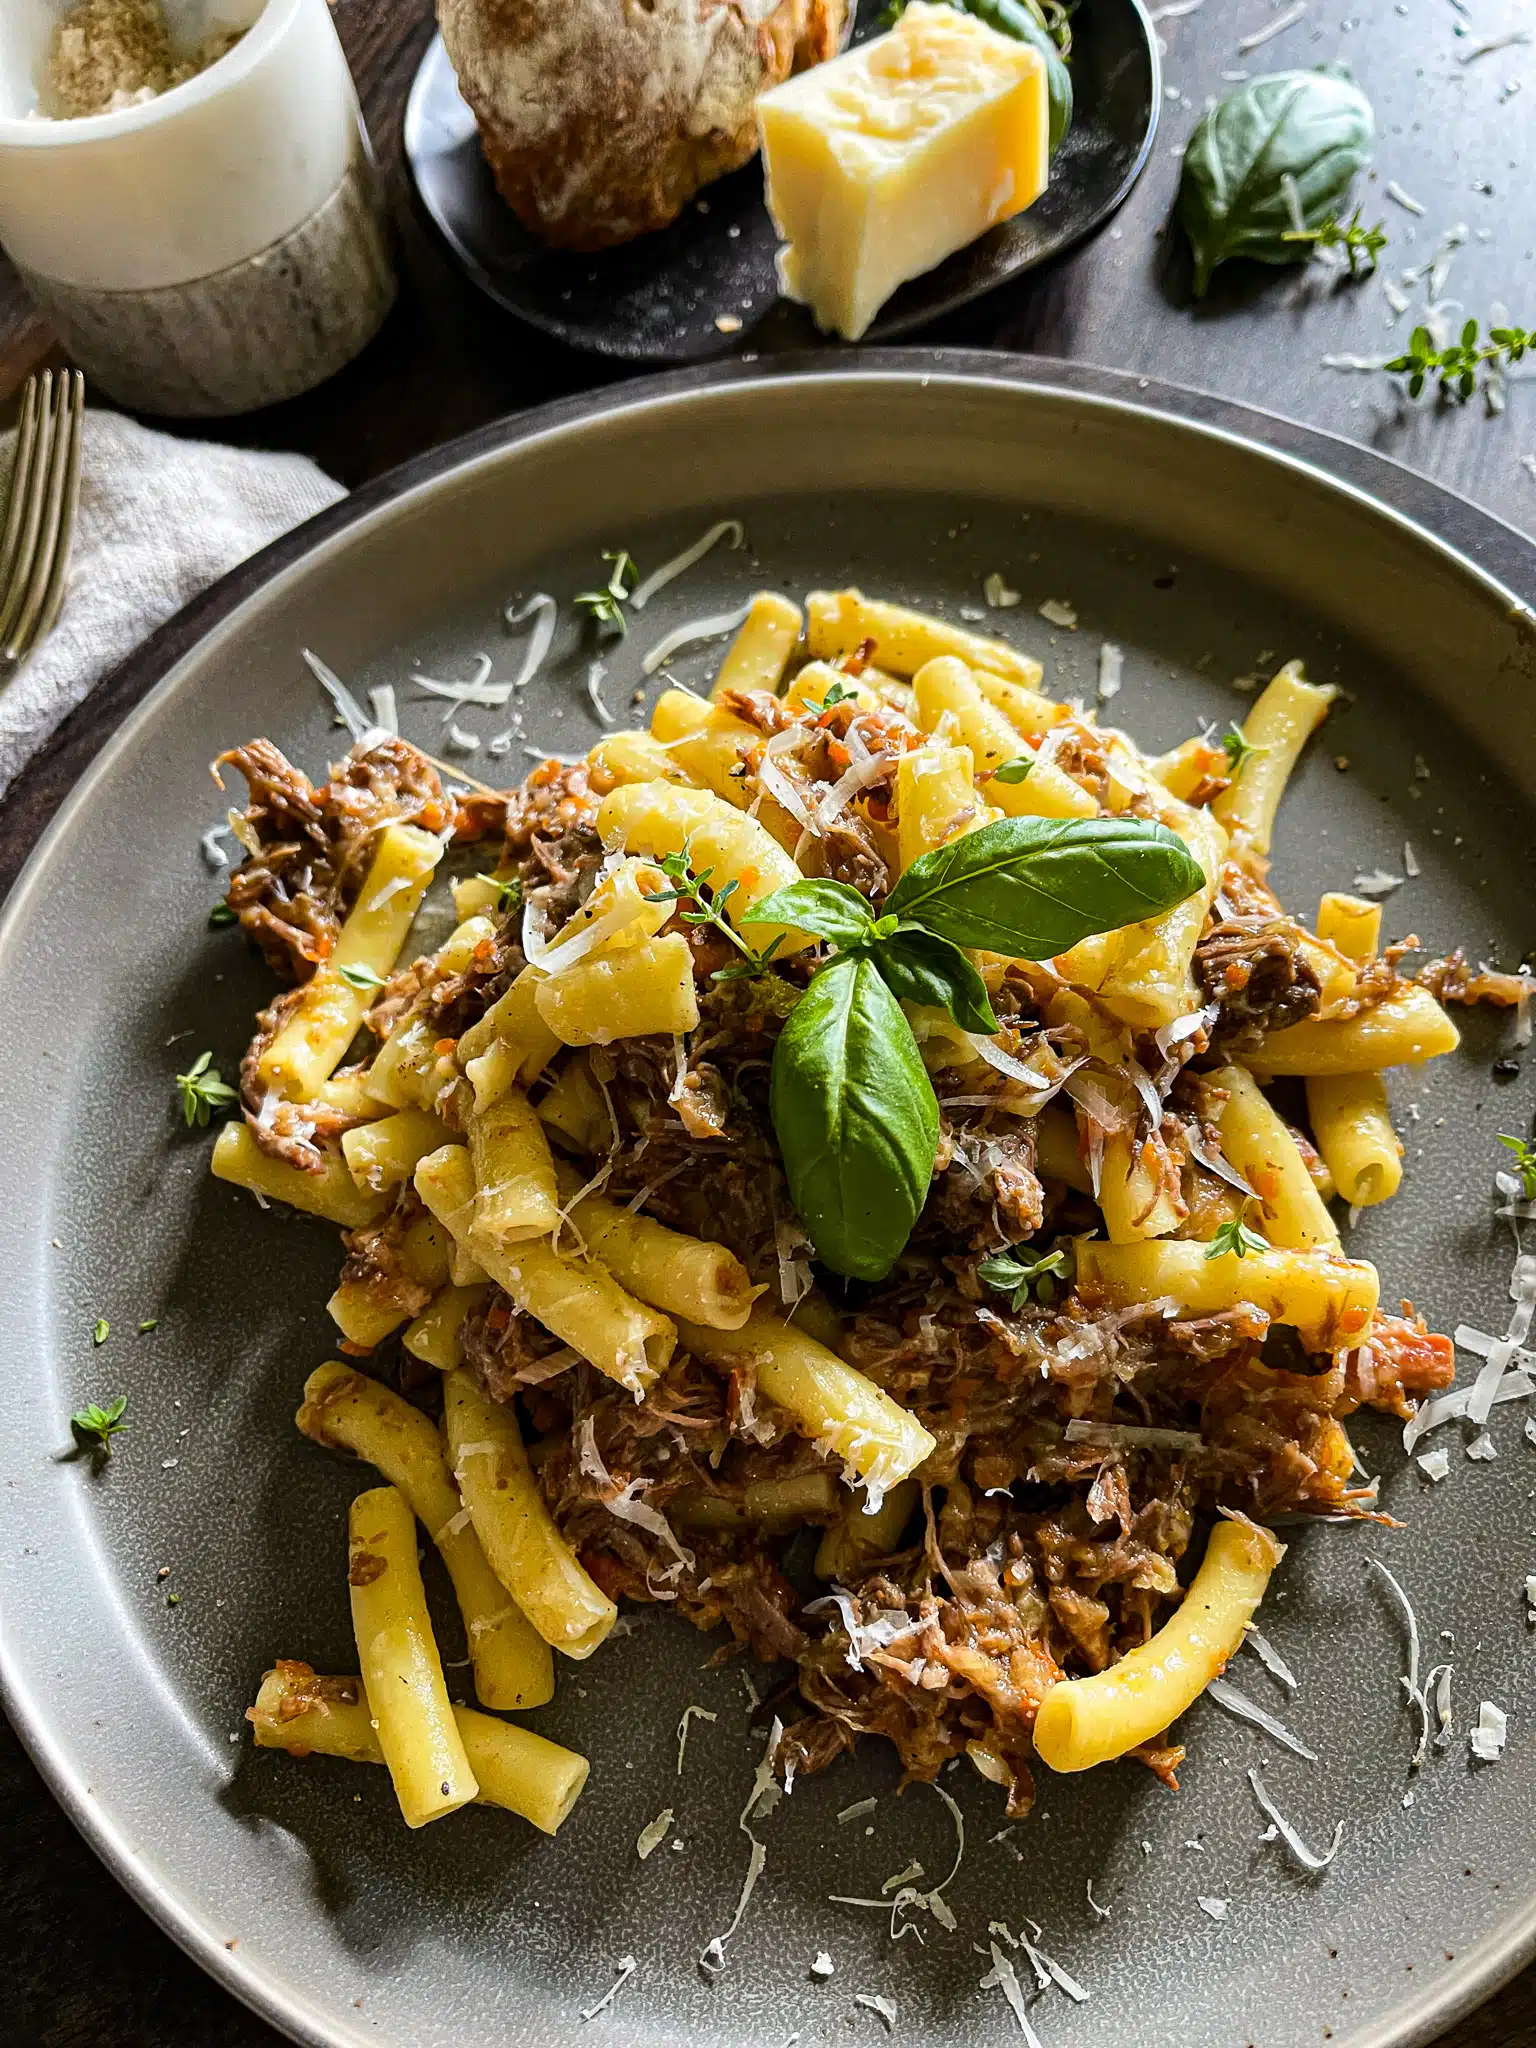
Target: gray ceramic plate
<point>1204,556</point>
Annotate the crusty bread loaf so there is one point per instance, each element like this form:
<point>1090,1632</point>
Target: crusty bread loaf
<point>602,118</point>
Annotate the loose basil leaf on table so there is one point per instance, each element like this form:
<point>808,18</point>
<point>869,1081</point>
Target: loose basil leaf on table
<point>920,967</point>
<point>1034,887</point>
<point>1315,127</point>
<point>855,1117</point>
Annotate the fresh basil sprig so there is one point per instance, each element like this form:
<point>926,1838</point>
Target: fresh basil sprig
<point>855,1117</point>
<point>1035,887</point>
<point>1315,128</point>
<point>853,1108</point>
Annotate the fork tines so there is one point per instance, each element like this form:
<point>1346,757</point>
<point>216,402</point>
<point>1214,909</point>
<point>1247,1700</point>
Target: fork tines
<point>40,516</point>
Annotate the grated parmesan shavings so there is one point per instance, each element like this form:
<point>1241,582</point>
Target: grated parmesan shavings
<point>1270,1657</point>
<point>684,560</point>
<point>348,710</point>
<point>1245,1709</point>
<point>1216,1908</point>
<point>998,594</point>
<point>653,1834</point>
<point>1307,1858</point>
<point>1005,1978</point>
<point>1490,1734</point>
<point>627,1967</point>
<point>761,1800</point>
<point>1111,671</point>
<point>873,2002</point>
<point>713,628</point>
<point>1057,612</point>
<point>690,1714</point>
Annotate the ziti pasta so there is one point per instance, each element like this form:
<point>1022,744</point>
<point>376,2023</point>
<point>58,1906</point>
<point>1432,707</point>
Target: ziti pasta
<point>863,1102</point>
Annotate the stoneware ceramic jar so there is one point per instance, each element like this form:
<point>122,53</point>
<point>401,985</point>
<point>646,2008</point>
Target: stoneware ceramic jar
<point>211,250</point>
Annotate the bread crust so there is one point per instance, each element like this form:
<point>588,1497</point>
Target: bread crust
<point>601,119</point>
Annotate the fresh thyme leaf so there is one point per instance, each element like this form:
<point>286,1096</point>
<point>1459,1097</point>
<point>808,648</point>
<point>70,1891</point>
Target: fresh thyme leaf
<point>837,693</point>
<point>101,1423</point>
<point>509,890</point>
<point>221,915</point>
<point>1455,367</point>
<point>1239,750</point>
<point>1237,1238</point>
<point>149,1323</point>
<point>1014,1277</point>
<point>203,1093</point>
<point>101,1331</point>
<point>362,978</point>
<point>688,887</point>
<point>1014,770</point>
<point>1361,245</point>
<point>1524,1150</point>
<point>606,606</point>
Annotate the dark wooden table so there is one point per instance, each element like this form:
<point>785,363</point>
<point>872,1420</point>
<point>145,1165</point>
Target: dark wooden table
<point>1457,133</point>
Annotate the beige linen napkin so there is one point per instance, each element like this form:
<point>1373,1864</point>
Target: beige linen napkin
<point>160,519</point>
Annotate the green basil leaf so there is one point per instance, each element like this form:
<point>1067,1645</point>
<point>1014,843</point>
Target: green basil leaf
<point>1032,887</point>
<point>1314,126</point>
<point>855,1117</point>
<point>920,967</point>
<point>829,909</point>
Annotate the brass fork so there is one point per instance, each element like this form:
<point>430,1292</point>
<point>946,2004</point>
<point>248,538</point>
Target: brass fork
<point>40,515</point>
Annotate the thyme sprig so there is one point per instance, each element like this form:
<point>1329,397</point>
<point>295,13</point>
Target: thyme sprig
<point>1455,367</point>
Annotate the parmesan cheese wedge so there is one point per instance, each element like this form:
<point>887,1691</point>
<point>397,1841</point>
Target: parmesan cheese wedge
<point>886,160</point>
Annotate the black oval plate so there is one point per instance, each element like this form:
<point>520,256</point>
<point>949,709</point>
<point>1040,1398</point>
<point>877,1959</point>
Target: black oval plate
<point>660,299</point>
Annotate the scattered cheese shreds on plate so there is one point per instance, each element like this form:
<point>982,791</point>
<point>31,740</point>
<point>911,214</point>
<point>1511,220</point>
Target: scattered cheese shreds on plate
<point>626,1967</point>
<point>1489,1736</point>
<point>856,1812</point>
<point>1377,883</point>
<point>1003,1977</point>
<point>874,2002</point>
<point>1111,671</point>
<point>822,1964</point>
<point>1434,1464</point>
<point>653,1834</point>
<point>1057,612</point>
<point>1270,1657</point>
<point>1404,199</point>
<point>1483,1448</point>
<point>1245,1709</point>
<point>998,594</point>
<point>690,1714</point>
<point>1307,1858</point>
<point>1216,1908</point>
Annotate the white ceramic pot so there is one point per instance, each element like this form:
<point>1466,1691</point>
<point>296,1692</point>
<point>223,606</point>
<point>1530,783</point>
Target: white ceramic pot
<point>215,249</point>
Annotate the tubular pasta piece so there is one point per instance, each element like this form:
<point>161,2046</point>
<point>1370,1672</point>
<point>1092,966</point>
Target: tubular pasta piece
<point>516,1530</point>
<point>307,1715</point>
<point>344,1410</point>
<point>402,1672</point>
<point>1088,1721</point>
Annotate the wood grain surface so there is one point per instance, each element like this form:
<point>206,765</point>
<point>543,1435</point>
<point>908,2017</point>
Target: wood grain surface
<point>1457,134</point>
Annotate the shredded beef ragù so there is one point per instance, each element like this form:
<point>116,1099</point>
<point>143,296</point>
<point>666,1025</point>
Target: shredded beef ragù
<point>1082,1443</point>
